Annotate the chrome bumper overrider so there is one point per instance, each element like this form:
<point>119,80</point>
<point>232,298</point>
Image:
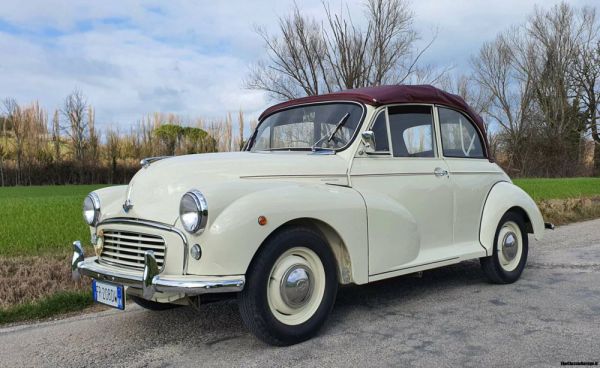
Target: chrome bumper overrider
<point>149,280</point>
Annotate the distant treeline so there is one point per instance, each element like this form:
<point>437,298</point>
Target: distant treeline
<point>67,148</point>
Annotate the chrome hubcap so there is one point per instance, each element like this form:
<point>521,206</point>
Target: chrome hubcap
<point>509,246</point>
<point>296,286</point>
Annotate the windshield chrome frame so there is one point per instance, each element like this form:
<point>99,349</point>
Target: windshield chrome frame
<point>308,149</point>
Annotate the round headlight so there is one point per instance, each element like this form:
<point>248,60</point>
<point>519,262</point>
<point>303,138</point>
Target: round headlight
<point>193,211</point>
<point>91,209</point>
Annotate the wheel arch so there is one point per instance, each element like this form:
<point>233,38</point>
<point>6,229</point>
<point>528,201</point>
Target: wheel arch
<point>330,235</point>
<point>502,198</point>
<point>524,216</point>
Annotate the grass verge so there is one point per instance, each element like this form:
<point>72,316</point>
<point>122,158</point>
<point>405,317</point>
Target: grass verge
<point>565,211</point>
<point>59,303</point>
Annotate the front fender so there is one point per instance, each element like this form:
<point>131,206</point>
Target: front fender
<point>233,238</point>
<point>502,197</point>
<point>111,200</point>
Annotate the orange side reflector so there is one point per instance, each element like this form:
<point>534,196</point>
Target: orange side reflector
<point>262,220</point>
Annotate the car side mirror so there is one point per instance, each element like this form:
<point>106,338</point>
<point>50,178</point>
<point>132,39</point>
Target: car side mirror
<point>368,138</point>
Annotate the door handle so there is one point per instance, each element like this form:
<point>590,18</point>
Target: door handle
<point>440,172</point>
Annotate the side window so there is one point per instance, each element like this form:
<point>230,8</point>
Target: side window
<point>381,133</point>
<point>459,137</point>
<point>411,130</point>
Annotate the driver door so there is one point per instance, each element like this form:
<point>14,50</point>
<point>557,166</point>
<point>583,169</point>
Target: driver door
<point>407,191</point>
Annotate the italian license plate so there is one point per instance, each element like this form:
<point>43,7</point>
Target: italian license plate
<point>109,294</point>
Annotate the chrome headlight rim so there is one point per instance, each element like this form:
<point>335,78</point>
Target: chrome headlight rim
<point>201,209</point>
<point>95,201</point>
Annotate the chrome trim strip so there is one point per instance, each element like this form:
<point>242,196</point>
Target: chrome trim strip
<point>475,172</point>
<point>292,176</point>
<point>145,162</point>
<point>78,256</point>
<point>156,225</point>
<point>91,268</point>
<point>150,271</point>
<point>396,174</point>
<point>189,285</point>
<point>222,285</point>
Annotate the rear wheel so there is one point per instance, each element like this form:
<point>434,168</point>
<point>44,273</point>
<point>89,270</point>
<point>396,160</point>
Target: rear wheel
<point>291,287</point>
<point>511,246</point>
<point>150,305</point>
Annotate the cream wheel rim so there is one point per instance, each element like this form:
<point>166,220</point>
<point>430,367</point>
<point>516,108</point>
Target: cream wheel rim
<point>510,246</point>
<point>296,286</point>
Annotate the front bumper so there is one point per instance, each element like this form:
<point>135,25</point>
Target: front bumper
<point>149,281</point>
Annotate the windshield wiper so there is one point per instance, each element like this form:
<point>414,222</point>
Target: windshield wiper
<point>330,136</point>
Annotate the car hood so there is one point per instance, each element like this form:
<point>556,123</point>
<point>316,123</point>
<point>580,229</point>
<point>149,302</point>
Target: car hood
<point>155,191</point>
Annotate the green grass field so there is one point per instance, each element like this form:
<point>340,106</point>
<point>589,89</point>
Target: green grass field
<point>540,189</point>
<point>40,219</point>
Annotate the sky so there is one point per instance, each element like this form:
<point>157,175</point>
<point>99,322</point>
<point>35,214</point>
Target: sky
<point>132,58</point>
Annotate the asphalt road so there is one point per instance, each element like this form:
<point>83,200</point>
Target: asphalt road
<point>449,317</point>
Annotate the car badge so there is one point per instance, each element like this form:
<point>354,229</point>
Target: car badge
<point>127,205</point>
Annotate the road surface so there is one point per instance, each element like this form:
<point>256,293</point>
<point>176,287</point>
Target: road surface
<point>449,317</point>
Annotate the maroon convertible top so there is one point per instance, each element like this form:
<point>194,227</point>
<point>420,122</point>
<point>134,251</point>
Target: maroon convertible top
<point>383,95</point>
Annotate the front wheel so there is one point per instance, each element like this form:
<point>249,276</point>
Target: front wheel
<point>509,256</point>
<point>291,287</point>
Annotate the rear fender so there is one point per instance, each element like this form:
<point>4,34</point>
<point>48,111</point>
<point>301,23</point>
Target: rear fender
<point>503,197</point>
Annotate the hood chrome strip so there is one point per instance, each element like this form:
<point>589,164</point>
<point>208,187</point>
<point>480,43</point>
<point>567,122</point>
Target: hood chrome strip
<point>145,162</point>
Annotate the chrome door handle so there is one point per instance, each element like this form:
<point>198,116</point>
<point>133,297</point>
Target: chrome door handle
<point>440,172</point>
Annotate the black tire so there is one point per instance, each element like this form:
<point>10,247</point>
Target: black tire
<point>491,265</point>
<point>150,305</point>
<point>253,300</point>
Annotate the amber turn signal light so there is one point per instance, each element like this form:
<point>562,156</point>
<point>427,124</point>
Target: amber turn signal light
<point>262,220</point>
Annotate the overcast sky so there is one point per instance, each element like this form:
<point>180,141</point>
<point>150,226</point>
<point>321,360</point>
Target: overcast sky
<point>190,57</point>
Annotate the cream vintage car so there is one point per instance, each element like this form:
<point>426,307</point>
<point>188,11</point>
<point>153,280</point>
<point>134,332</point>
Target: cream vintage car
<point>344,188</point>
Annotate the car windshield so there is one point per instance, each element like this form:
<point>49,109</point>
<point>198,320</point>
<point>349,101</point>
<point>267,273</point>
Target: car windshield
<point>310,127</point>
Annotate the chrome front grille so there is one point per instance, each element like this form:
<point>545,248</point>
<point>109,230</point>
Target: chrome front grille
<point>127,248</point>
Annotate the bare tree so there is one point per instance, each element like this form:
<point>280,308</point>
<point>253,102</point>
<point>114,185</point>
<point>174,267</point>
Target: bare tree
<point>94,139</point>
<point>543,80</point>
<point>239,143</point>
<point>113,150</point>
<point>14,117</point>
<point>3,152</point>
<point>308,58</point>
<point>56,135</point>
<point>555,39</point>
<point>586,78</point>
<point>74,111</point>
<point>467,87</point>
<point>510,96</point>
